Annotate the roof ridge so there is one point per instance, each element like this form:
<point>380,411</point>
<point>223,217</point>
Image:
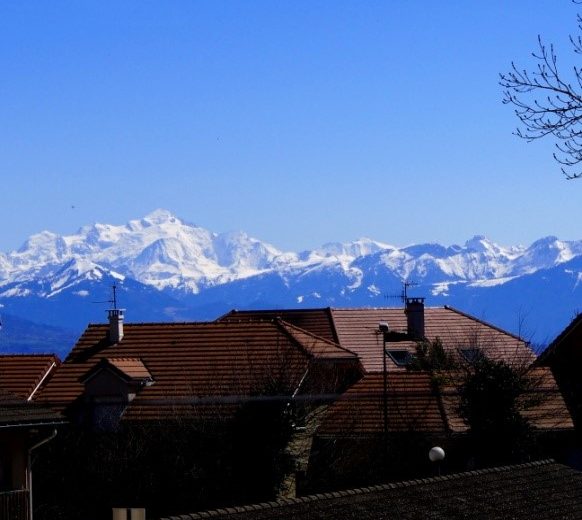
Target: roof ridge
<point>275,310</point>
<point>369,308</point>
<point>357,491</point>
<point>133,358</point>
<point>225,324</point>
<point>319,338</point>
<point>224,315</point>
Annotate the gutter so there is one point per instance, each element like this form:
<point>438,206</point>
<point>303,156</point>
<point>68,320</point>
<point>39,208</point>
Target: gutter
<point>31,425</point>
<point>29,467</point>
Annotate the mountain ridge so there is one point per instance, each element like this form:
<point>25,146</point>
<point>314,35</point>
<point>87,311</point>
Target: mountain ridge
<point>187,269</point>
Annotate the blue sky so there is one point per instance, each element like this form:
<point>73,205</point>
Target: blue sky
<point>299,122</point>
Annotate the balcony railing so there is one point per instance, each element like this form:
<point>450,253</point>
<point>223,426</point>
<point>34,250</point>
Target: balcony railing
<point>14,505</point>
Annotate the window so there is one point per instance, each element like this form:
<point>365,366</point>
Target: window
<point>471,355</point>
<point>400,357</point>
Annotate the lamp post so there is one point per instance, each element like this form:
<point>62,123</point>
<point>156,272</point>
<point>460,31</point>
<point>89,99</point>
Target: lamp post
<point>384,329</point>
<point>437,455</point>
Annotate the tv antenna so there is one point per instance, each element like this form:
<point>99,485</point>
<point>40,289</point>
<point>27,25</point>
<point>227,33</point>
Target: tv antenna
<point>403,296</point>
<point>113,299</point>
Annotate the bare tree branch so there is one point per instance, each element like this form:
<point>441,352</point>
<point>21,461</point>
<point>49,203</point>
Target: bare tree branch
<point>548,103</point>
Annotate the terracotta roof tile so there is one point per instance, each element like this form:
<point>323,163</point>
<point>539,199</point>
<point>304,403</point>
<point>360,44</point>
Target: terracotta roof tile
<point>551,412</point>
<point>317,346</point>
<point>412,406</point>
<point>357,330</point>
<point>16,411</point>
<point>316,321</point>
<point>207,366</point>
<point>546,411</point>
<point>21,374</point>
<point>132,367</point>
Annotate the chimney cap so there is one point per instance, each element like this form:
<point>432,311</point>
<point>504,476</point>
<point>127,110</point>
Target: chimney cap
<point>414,299</point>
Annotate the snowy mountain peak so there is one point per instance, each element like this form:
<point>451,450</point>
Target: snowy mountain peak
<point>361,247</point>
<point>480,244</point>
<point>163,251</point>
<point>544,242</point>
<point>161,216</point>
<point>45,244</point>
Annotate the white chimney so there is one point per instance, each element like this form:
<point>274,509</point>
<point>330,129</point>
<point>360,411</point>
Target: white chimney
<point>115,325</point>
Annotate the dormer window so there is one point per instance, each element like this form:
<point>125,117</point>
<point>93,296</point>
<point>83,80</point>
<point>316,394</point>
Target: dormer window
<point>471,355</point>
<point>111,385</point>
<point>400,357</point>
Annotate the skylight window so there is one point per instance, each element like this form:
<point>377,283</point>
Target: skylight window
<point>400,357</point>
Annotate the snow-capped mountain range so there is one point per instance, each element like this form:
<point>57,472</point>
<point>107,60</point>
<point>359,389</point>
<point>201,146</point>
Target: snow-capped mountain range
<point>190,270</point>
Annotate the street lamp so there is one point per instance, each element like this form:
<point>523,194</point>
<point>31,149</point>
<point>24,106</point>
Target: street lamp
<point>437,455</point>
<point>384,329</point>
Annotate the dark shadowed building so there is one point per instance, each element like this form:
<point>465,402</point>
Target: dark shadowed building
<point>538,490</point>
<point>564,357</point>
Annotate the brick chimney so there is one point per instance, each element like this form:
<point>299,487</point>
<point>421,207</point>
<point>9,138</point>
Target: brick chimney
<point>415,317</point>
<point>115,325</point>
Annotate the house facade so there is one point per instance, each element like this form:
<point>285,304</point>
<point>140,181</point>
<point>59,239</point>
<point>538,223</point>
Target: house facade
<point>24,427</point>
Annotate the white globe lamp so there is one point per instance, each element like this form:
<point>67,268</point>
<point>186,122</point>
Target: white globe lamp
<point>436,454</point>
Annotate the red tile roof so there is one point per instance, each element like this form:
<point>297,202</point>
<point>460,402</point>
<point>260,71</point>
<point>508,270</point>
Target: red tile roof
<point>316,321</point>
<point>551,412</point>
<point>412,406</point>
<point>318,347</point>
<point>128,368</point>
<point>548,410</point>
<point>21,374</point>
<point>207,363</point>
<point>16,411</point>
<point>357,330</point>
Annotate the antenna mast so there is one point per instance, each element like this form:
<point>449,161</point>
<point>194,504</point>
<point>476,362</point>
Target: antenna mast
<point>405,285</point>
<point>403,296</point>
<point>113,300</point>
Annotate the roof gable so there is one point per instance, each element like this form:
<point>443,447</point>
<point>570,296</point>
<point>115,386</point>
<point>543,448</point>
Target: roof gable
<point>128,369</point>
<point>316,321</point>
<point>189,361</point>
<point>316,346</point>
